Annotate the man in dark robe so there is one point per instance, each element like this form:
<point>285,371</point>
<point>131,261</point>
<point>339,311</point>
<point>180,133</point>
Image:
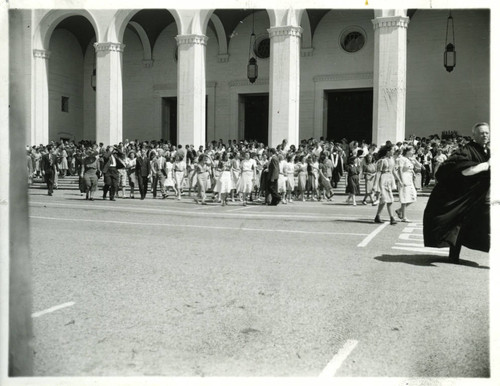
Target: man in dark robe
<point>458,210</point>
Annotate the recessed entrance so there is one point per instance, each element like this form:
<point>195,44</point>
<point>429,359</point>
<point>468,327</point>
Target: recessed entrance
<point>254,117</point>
<point>169,119</point>
<point>349,114</point>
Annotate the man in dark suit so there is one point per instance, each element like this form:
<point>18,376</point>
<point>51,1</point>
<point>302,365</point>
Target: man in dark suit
<point>48,165</point>
<point>143,172</point>
<point>111,176</point>
<point>272,178</point>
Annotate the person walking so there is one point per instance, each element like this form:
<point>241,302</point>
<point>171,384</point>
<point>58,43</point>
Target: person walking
<point>407,192</point>
<point>369,172</point>
<point>48,165</point>
<point>159,173</point>
<point>352,180</point>
<point>272,178</point>
<point>88,172</point>
<point>385,182</point>
<point>143,172</point>
<point>202,176</point>
<point>458,210</point>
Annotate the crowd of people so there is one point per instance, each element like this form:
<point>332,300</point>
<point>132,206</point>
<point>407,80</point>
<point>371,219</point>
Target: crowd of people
<point>247,170</point>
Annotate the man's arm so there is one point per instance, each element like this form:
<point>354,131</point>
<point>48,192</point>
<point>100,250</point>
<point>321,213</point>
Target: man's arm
<point>482,167</point>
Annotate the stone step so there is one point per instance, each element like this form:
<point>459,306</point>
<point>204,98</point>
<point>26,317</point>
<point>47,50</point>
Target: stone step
<point>71,183</point>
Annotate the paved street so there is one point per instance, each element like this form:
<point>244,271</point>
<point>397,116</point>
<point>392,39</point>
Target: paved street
<point>171,288</point>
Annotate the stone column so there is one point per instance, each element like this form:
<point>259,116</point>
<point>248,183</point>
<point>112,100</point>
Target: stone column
<point>191,90</point>
<point>389,79</point>
<point>284,85</point>
<point>40,98</point>
<point>109,93</point>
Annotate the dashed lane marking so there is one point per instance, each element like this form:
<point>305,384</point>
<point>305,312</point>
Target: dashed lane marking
<point>149,224</point>
<point>370,237</point>
<point>338,359</point>
<point>52,309</point>
<point>413,240</point>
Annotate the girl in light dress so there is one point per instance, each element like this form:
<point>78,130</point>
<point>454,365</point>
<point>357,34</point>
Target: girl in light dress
<point>224,184</point>
<point>202,177</point>
<point>312,177</point>
<point>235,173</point>
<point>369,172</point>
<point>385,182</point>
<point>132,178</point>
<point>282,178</point>
<point>179,173</point>
<point>324,181</point>
<point>289,171</point>
<point>261,163</point>
<point>169,180</point>
<point>63,166</point>
<point>247,178</point>
<point>407,192</point>
<point>301,171</point>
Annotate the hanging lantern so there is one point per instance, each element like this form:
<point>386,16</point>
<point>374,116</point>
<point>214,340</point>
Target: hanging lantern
<point>93,79</point>
<point>252,70</point>
<point>450,55</point>
<point>252,67</point>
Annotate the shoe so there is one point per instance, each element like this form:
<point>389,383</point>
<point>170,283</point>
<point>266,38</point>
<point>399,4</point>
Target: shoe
<point>405,220</point>
<point>50,194</point>
<point>91,199</point>
<point>398,212</point>
<point>354,203</point>
<point>196,201</point>
<point>393,221</point>
<point>364,202</point>
<point>203,203</point>
<point>375,203</point>
<point>112,199</point>
<point>378,220</point>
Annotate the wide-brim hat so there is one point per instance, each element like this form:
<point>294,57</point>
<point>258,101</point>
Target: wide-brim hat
<point>131,152</point>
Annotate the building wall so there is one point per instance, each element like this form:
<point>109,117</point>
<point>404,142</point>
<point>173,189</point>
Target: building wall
<point>436,99</point>
<point>65,79</point>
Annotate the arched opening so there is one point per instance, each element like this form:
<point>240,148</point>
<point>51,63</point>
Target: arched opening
<point>71,97</point>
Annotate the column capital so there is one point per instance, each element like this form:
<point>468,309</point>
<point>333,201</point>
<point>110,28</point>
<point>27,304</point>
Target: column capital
<point>191,40</point>
<point>43,54</point>
<point>288,30</point>
<point>109,46</point>
<point>147,63</point>
<point>391,22</point>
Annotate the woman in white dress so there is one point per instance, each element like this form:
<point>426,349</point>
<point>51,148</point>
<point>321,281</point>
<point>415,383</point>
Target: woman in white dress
<point>247,178</point>
<point>179,173</point>
<point>169,180</point>
<point>235,173</point>
<point>224,185</point>
<point>385,182</point>
<point>407,192</point>
<point>282,178</point>
<point>289,170</point>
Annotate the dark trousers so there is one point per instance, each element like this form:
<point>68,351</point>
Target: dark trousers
<point>49,180</point>
<point>426,175</point>
<point>111,182</point>
<point>143,185</point>
<point>272,189</point>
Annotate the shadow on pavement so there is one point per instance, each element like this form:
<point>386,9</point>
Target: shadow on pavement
<point>358,221</point>
<point>425,260</point>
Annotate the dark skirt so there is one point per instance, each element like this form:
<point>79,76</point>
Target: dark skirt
<point>352,184</point>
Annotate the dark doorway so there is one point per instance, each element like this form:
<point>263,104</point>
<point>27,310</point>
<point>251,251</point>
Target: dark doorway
<point>350,114</point>
<point>256,112</point>
<point>169,119</point>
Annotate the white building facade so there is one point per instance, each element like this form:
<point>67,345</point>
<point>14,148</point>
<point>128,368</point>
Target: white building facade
<point>181,75</point>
